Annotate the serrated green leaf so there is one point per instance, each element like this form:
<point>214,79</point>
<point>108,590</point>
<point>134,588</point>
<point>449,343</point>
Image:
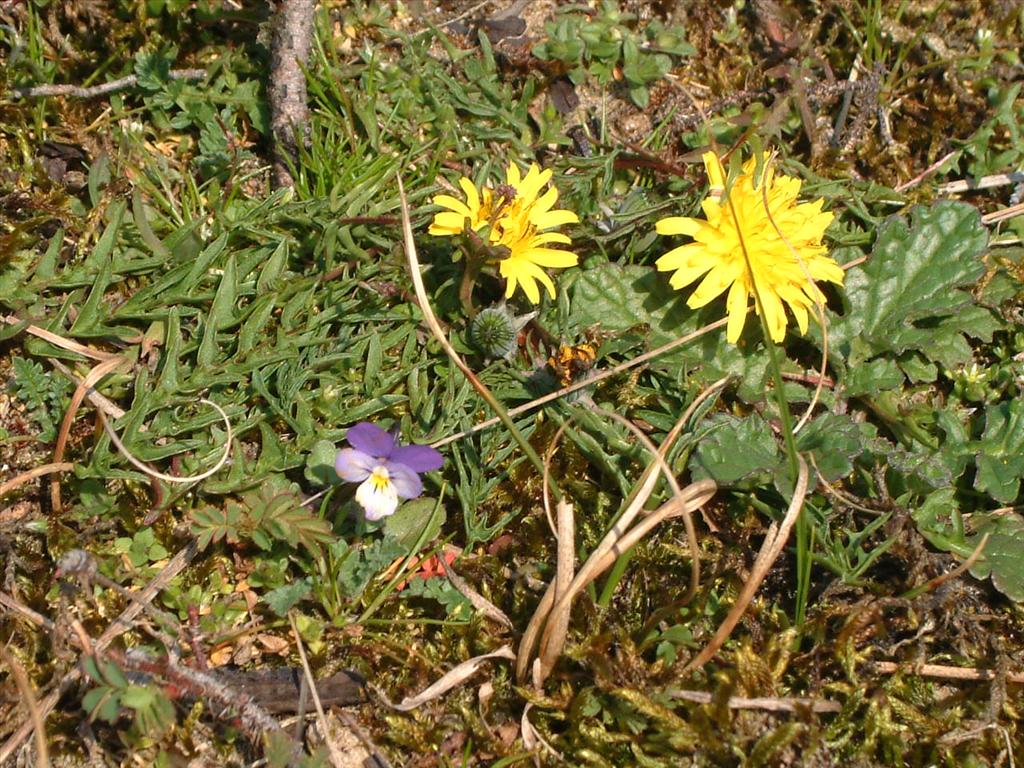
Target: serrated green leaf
<point>620,298</point>
<point>736,448</point>
<point>917,369</point>
<point>872,377</point>
<point>914,279</point>
<point>834,441</point>
<point>283,599</point>
<point>1000,457</point>
<point>1003,553</point>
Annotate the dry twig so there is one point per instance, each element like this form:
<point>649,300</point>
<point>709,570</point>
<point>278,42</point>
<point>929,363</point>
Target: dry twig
<point>46,469</point>
<point>336,757</point>
<point>553,610</point>
<point>455,676</point>
<point>768,703</point>
<point>28,696</point>
<point>945,671</point>
<point>98,372</point>
<point>774,541</point>
<point>118,627</point>
<point>286,89</point>
<point>78,92</point>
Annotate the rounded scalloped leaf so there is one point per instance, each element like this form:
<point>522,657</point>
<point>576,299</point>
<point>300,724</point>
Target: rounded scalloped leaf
<point>909,294</point>
<point>619,298</point>
<point>1003,554</point>
<point>416,520</point>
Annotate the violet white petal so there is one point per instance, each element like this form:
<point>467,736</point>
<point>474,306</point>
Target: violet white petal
<point>418,458</point>
<point>371,439</point>
<point>405,481</point>
<point>354,466</point>
<point>377,497</point>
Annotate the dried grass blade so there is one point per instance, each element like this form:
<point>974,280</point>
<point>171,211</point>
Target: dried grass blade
<point>770,550</point>
<point>98,372</point>
<point>449,680</point>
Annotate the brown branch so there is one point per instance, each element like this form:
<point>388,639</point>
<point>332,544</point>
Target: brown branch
<point>28,696</point>
<point>24,477</point>
<point>768,703</point>
<point>286,88</point>
<point>946,672</point>
<point>78,92</point>
<point>120,625</point>
<point>254,719</point>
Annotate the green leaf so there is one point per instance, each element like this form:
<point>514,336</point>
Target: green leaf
<point>415,521</point>
<point>152,70</point>
<point>102,703</point>
<point>283,599</point>
<point>221,315</point>
<point>89,317</point>
<point>299,526</point>
<point>622,298</point>
<point>272,269</point>
<point>138,696</point>
<point>1003,553</point>
<point>211,524</point>
<point>736,448</point>
<point>276,509</point>
<point>42,395</point>
<point>939,521</point>
<point>873,376</point>
<point>834,441</point>
<point>1000,457</point>
<point>374,359</point>
<point>912,282</point>
<point>320,463</point>
<point>443,591</point>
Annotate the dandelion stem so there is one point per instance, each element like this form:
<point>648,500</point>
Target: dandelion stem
<point>431,320</point>
<point>803,559</point>
<point>469,277</point>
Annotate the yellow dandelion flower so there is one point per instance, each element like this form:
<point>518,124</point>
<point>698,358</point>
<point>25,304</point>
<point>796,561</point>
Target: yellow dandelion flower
<point>782,267</point>
<point>518,216</point>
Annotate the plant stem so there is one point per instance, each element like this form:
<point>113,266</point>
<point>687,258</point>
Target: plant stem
<point>431,319</point>
<point>469,276</point>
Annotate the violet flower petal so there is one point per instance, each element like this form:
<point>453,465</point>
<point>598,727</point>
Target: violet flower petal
<point>354,466</point>
<point>406,482</point>
<point>419,458</point>
<point>371,439</point>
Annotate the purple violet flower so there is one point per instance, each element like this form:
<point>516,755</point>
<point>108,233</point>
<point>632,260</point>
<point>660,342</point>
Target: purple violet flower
<point>385,470</point>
